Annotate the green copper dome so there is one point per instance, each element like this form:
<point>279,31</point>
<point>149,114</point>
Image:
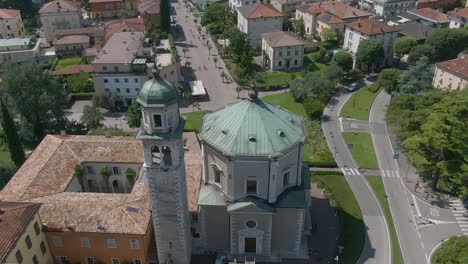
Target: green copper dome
<point>157,92</point>
<point>253,128</point>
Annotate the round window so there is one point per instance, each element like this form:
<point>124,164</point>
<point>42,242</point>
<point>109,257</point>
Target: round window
<point>251,224</point>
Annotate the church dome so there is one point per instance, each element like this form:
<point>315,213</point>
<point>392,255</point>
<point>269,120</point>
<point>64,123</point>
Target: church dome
<point>253,128</point>
<point>157,92</point>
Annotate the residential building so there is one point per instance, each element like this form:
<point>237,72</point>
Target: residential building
<point>18,50</point>
<point>71,45</point>
<point>113,8</point>
<point>458,18</point>
<point>256,19</point>
<point>234,4</point>
<point>11,24</point>
<point>288,7</point>
<point>123,25</point>
<point>95,34</point>
<point>59,14</point>
<point>435,4</point>
<point>387,9</point>
<point>452,74</point>
<point>149,11</point>
<point>283,49</point>
<point>22,239</point>
<point>430,17</point>
<point>416,30</point>
<point>167,64</point>
<point>331,14</point>
<point>360,30</point>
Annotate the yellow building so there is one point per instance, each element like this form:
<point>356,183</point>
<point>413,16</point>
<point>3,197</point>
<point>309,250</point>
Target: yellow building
<point>22,239</point>
<point>11,24</point>
<point>59,14</point>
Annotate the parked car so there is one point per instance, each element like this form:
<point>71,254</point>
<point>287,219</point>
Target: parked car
<point>352,87</point>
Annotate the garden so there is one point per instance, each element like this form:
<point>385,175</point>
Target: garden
<point>68,63</point>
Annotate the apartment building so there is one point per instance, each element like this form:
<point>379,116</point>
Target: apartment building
<point>95,34</point>
<point>430,17</point>
<point>458,18</point>
<point>288,7</point>
<point>357,31</point>
<point>113,8</point>
<point>387,9</point>
<point>451,74</point>
<point>59,14</point>
<point>331,14</point>
<point>71,45</point>
<point>256,19</point>
<point>18,50</point>
<point>11,24</point>
<point>285,51</point>
<point>22,239</point>
<point>235,4</point>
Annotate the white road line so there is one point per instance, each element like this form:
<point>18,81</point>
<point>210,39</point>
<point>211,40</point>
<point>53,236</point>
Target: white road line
<point>383,173</point>
<point>342,170</point>
<point>341,124</point>
<point>416,204</point>
<point>398,174</point>
<point>351,171</point>
<point>389,173</point>
<point>357,171</point>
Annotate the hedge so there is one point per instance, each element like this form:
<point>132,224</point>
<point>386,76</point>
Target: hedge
<point>72,97</point>
<point>326,173</point>
<point>373,88</point>
<point>322,164</point>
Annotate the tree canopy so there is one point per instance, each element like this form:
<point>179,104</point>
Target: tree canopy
<point>328,34</point>
<point>298,27</point>
<point>403,46</point>
<point>418,79</point>
<point>344,60</point>
<point>313,85</point>
<point>92,117</point>
<point>134,115</point>
<point>388,80</point>
<point>11,135</point>
<point>241,51</point>
<point>447,42</point>
<point>453,251</point>
<point>370,52</point>
<point>420,51</point>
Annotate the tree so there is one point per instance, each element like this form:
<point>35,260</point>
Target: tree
<point>92,117</point>
<point>241,52</point>
<point>78,173</point>
<point>130,174</point>
<point>35,97</point>
<point>403,46</point>
<point>447,42</point>
<point>80,83</point>
<point>454,251</point>
<point>73,127</point>
<point>298,27</point>
<point>11,135</point>
<point>388,80</point>
<point>213,13</point>
<point>134,115</point>
<point>344,60</point>
<point>333,72</point>
<point>370,52</point>
<point>313,108</point>
<point>106,173</point>
<point>328,34</point>
<point>420,51</point>
<point>418,79</point>
<point>313,84</point>
<point>165,16</point>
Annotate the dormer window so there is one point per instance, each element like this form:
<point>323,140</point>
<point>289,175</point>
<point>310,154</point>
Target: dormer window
<point>157,121</point>
<point>217,173</point>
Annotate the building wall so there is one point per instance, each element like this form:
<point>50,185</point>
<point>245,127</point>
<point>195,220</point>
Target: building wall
<point>74,49</point>
<point>213,159</point>
<point>448,81</point>
<point>436,4</point>
<point>35,250</point>
<point>98,248</point>
<point>262,231</point>
<point>234,4</point>
<point>255,27</point>
<point>250,168</point>
<point>280,58</point>
<point>20,55</point>
<point>310,22</point>
<point>98,180</point>
<point>12,28</point>
<point>387,9</point>
<point>337,28</point>
<point>287,227</point>
<point>215,228</point>
<point>106,83</point>
<point>457,21</point>
<point>114,9</point>
<point>64,20</point>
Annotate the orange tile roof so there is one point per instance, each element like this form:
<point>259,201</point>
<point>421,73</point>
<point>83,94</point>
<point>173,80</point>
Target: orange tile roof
<point>193,170</point>
<point>259,11</point>
<point>338,9</point>
<point>123,25</point>
<point>460,12</point>
<point>149,6</point>
<point>458,66</point>
<point>372,27</point>
<point>15,217</point>
<point>329,18</point>
<point>58,6</point>
<point>72,39</point>
<point>430,14</point>
<point>75,69</point>
<point>8,13</point>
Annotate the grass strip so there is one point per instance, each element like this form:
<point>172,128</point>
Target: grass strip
<point>359,105</point>
<point>362,149</point>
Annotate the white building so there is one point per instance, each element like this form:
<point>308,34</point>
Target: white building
<point>234,4</point>
<point>11,24</point>
<point>257,19</point>
<point>18,50</point>
<point>458,18</point>
<point>59,14</point>
<point>388,8</point>
<point>285,51</point>
<point>451,74</point>
<point>357,31</point>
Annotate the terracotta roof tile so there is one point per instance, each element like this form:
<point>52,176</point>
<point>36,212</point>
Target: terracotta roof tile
<point>460,12</point>
<point>58,6</point>
<point>281,39</point>
<point>193,170</point>
<point>338,9</point>
<point>430,14</point>
<point>72,39</point>
<point>372,27</point>
<point>458,66</point>
<point>8,13</point>
<point>259,11</point>
<point>14,219</point>
<point>149,6</point>
<point>123,25</point>
<point>329,18</point>
<point>75,69</point>
<point>80,31</point>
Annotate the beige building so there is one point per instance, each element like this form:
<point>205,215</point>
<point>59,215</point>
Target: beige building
<point>113,8</point>
<point>22,239</point>
<point>59,14</point>
<point>288,7</point>
<point>452,74</point>
<point>458,18</point>
<point>256,19</point>
<point>95,34</point>
<point>331,14</point>
<point>284,51</point>
<point>18,50</point>
<point>11,24</point>
<point>71,45</point>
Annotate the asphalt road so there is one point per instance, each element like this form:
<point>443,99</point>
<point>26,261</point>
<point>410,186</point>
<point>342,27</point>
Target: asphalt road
<point>377,247</point>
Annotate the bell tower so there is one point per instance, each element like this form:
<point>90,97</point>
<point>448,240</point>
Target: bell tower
<point>161,133</point>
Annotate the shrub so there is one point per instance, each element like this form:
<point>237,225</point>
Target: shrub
<point>373,88</point>
<point>322,164</point>
<point>72,97</point>
<point>313,108</point>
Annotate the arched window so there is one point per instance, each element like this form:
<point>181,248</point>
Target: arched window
<point>156,154</point>
<point>167,156</point>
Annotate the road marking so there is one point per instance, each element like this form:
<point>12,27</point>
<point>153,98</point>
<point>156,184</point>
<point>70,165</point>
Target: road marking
<point>416,205</point>
<point>343,170</point>
<point>341,123</point>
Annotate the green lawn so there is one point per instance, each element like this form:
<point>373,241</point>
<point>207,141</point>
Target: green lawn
<point>453,251</point>
<point>310,58</point>
<point>67,63</point>
<point>337,190</point>
<point>193,120</point>
<point>378,187</point>
<point>5,160</point>
<point>359,105</point>
<point>362,150</point>
<point>6,166</point>
<point>316,151</point>
<point>275,80</point>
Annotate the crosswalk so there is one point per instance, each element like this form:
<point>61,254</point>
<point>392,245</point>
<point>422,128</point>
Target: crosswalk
<point>390,173</point>
<point>350,171</point>
<point>461,215</point>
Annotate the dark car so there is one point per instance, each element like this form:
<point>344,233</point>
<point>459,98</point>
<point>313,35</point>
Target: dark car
<point>352,87</point>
